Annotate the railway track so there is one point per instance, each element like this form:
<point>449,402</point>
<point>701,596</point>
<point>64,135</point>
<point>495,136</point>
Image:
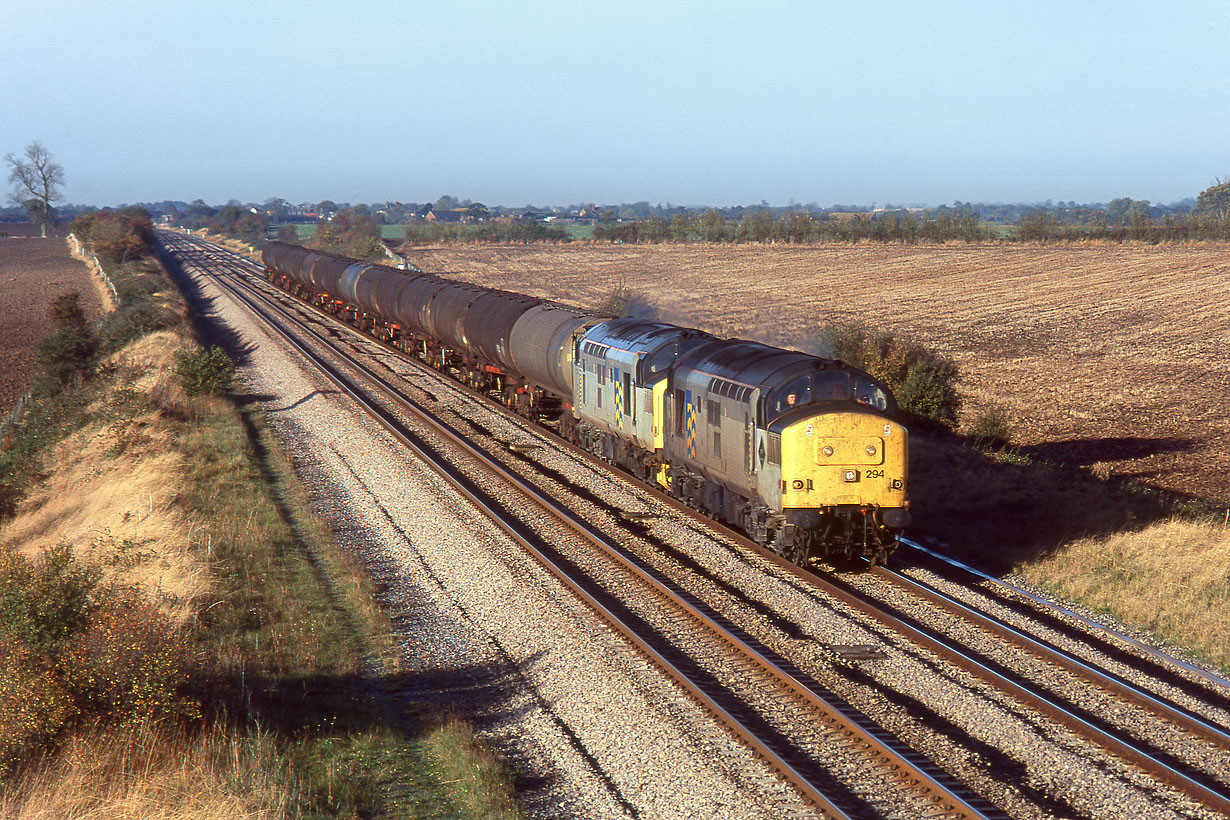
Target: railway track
<point>1171,764</point>
<point>789,719</point>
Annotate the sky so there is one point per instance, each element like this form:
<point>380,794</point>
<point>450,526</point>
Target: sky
<point>689,103</point>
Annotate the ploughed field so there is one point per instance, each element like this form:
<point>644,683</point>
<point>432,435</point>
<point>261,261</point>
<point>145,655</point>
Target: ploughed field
<point>1112,357</point>
<point>33,272</point>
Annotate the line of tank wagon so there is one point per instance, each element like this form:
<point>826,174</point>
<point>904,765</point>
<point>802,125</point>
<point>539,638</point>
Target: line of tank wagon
<point>802,453</point>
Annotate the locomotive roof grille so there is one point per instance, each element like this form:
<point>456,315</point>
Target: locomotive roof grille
<point>731,390</point>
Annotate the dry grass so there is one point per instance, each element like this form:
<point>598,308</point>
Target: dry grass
<point>151,771</point>
<point>1107,355</point>
<point>112,490</point>
<point>1171,578</point>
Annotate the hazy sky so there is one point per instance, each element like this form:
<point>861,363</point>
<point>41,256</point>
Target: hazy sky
<point>717,103</point>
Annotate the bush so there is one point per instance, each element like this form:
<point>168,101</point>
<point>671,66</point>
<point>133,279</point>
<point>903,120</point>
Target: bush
<point>66,356</point>
<point>127,663</point>
<point>923,381</point>
<point>42,605</point>
<point>990,429</point>
<point>10,498</point>
<point>33,704</point>
<point>133,320</point>
<point>624,302</point>
<point>203,372</point>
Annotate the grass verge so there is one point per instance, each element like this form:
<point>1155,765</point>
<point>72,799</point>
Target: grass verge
<point>179,635</point>
<point>1151,560</point>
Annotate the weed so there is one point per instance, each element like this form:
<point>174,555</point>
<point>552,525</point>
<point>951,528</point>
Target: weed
<point>990,428</point>
<point>202,372</point>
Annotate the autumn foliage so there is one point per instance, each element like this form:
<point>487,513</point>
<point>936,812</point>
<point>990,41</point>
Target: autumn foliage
<point>74,651</point>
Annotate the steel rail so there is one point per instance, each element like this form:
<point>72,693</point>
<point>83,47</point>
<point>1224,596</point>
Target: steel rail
<point>1154,652</point>
<point>1091,733</point>
<point>943,801</point>
<point>1111,683</point>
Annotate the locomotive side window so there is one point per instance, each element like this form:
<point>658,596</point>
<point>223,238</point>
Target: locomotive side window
<point>794,394</point>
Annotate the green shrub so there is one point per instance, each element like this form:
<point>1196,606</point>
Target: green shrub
<point>66,356</point>
<point>204,371</point>
<point>133,320</point>
<point>43,604</point>
<point>10,498</point>
<point>923,381</point>
<point>34,705</point>
<point>990,428</point>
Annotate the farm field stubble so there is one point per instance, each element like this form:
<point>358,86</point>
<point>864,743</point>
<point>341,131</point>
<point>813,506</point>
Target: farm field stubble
<point>33,272</point>
<point>1109,357</point>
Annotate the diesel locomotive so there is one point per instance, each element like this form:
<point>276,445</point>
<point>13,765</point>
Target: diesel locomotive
<point>804,454</point>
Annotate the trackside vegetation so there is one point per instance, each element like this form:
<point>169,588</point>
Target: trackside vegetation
<point>179,636</point>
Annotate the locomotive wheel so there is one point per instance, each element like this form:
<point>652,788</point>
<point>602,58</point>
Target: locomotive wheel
<point>796,554</point>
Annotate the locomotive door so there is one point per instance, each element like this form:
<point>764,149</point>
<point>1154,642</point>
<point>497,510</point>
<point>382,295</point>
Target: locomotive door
<point>749,434</point>
<point>754,433</point>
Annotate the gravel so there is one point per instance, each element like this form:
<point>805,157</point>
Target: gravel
<point>489,634</point>
<point>591,729</point>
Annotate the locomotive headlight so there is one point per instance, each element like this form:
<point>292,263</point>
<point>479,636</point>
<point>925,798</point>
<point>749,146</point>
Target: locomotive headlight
<point>871,449</point>
<point>851,475</point>
<point>827,452</point>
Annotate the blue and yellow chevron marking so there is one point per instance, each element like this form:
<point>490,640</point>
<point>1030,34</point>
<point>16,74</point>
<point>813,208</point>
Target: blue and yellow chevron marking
<point>619,401</point>
<point>690,425</point>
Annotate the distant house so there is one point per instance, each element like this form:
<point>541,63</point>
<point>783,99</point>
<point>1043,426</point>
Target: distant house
<point>444,216</point>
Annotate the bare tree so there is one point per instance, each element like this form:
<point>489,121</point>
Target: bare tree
<point>36,180</point>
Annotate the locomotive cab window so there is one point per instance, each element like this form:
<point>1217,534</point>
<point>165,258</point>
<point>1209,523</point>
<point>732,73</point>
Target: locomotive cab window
<point>832,386</point>
<point>662,359</point>
<point>794,394</point>
<point>870,394</point>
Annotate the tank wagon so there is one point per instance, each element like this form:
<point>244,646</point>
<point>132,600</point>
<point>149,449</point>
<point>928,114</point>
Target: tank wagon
<point>802,453</point>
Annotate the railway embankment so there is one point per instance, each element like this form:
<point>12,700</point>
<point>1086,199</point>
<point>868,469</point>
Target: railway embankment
<point>179,634</point>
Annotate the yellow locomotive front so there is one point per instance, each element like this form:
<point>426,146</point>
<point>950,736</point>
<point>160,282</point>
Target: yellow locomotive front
<point>803,453</point>
<point>843,482</point>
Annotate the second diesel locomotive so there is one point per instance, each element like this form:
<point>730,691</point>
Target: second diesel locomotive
<point>802,453</point>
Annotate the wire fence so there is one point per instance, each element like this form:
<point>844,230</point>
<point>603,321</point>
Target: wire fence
<point>85,254</point>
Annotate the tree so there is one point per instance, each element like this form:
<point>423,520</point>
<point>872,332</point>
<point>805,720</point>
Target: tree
<point>276,208</point>
<point>36,181</point>
<point>1215,201</point>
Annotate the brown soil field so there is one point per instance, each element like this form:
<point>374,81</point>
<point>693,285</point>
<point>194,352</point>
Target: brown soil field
<point>1114,358</point>
<point>33,272</point>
